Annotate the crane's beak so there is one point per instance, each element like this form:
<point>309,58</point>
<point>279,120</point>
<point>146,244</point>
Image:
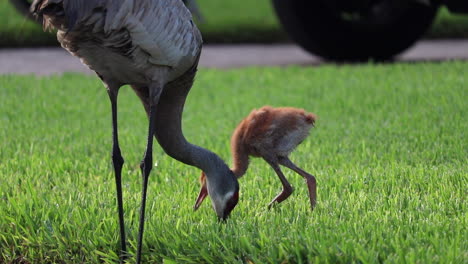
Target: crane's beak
<point>201,196</point>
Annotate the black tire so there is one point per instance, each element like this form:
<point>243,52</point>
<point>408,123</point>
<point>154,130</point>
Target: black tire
<point>379,31</point>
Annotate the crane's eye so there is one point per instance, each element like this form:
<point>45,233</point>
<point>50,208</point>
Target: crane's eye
<point>231,203</point>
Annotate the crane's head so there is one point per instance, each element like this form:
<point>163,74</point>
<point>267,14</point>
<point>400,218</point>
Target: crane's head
<point>224,193</point>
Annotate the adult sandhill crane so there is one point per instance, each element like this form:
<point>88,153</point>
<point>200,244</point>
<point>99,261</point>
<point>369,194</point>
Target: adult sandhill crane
<point>154,46</point>
<point>272,134</point>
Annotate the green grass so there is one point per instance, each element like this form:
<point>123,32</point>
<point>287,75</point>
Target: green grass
<point>389,152</point>
<point>18,31</point>
<point>226,22</point>
<point>449,25</point>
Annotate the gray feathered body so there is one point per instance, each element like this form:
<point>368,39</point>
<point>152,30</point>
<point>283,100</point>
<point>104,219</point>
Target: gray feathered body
<point>126,41</point>
<point>154,46</point>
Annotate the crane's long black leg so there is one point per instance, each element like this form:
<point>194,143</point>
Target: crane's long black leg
<point>146,165</point>
<point>118,162</point>
<point>287,188</point>
<point>310,179</point>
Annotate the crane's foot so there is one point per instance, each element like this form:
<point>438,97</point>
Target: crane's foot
<point>283,195</point>
<point>312,186</point>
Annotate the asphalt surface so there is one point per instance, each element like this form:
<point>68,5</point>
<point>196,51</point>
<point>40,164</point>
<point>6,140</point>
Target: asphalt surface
<point>47,61</point>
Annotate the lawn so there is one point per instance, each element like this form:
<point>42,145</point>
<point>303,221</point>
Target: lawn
<point>229,22</point>
<point>389,152</point>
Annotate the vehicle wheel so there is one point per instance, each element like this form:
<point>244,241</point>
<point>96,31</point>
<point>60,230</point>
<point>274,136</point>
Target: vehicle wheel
<point>356,30</point>
<point>23,7</point>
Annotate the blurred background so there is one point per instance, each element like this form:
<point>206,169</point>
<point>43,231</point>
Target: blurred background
<point>370,29</point>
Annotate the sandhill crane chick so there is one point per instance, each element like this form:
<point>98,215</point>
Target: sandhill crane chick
<point>272,134</point>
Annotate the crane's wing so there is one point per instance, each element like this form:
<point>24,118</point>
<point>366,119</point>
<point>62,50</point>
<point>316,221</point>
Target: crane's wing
<point>161,28</point>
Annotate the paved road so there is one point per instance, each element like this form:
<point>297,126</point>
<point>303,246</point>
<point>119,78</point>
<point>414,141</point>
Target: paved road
<point>46,61</point>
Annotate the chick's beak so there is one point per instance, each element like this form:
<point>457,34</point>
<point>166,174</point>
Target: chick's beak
<point>201,196</point>
<point>203,191</point>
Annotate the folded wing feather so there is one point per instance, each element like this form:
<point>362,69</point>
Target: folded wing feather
<point>161,28</point>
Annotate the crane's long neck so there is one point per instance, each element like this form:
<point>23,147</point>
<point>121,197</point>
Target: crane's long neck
<point>168,128</point>
<point>240,157</point>
<point>240,166</point>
